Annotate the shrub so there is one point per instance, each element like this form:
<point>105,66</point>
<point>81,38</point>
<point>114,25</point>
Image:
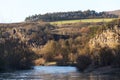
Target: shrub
<point>117,57</point>
<point>103,57</point>
<point>15,55</point>
<point>106,56</point>
<point>83,61</point>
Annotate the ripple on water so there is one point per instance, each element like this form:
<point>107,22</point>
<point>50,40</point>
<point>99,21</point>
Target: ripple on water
<point>53,73</point>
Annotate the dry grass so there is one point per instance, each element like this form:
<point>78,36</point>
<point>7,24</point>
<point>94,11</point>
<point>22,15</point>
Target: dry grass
<point>82,20</point>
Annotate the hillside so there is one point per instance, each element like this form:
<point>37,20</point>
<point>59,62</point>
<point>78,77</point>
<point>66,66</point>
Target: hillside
<point>116,12</point>
<point>20,44</point>
<point>103,50</point>
<point>34,33</point>
<point>107,38</point>
<point>47,42</point>
<point>37,43</point>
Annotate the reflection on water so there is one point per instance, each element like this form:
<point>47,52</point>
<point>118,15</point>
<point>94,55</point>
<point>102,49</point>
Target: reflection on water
<point>54,73</point>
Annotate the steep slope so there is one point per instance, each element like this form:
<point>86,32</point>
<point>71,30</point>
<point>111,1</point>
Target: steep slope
<point>108,38</point>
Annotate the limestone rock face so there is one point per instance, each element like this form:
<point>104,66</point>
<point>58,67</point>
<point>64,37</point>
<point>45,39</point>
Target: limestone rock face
<point>108,38</point>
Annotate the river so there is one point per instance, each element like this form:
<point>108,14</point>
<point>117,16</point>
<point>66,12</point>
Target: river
<point>54,73</point>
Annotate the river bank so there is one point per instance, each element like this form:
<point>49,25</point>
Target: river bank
<point>90,69</point>
<point>102,70</point>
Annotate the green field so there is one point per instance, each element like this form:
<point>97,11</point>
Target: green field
<point>82,20</point>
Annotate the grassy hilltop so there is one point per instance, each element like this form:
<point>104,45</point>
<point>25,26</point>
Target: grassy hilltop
<point>82,20</point>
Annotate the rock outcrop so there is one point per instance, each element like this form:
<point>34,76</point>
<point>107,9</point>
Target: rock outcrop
<point>108,38</point>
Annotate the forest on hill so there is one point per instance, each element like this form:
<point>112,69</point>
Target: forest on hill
<point>73,15</point>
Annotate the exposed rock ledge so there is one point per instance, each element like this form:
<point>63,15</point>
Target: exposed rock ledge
<point>109,38</point>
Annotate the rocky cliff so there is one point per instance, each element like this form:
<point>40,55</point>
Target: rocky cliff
<point>107,38</point>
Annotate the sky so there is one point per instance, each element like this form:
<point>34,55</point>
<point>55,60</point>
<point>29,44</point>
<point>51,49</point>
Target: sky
<point>17,10</point>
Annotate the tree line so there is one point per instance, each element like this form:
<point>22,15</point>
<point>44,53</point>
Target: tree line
<point>69,16</point>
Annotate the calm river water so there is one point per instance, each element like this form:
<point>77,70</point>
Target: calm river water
<point>54,73</point>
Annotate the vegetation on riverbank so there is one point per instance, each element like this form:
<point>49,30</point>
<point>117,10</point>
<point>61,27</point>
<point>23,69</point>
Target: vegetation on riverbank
<point>106,50</point>
<point>15,54</point>
<point>38,43</point>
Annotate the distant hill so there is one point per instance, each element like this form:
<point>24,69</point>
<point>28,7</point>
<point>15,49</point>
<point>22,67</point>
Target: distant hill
<point>116,12</point>
<point>73,15</point>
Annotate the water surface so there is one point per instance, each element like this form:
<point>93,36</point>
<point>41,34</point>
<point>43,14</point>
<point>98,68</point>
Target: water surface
<point>54,73</point>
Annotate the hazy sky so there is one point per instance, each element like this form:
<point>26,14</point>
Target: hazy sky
<point>17,10</point>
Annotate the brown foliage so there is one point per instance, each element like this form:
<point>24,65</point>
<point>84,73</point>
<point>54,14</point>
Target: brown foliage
<point>83,61</point>
<point>15,55</point>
